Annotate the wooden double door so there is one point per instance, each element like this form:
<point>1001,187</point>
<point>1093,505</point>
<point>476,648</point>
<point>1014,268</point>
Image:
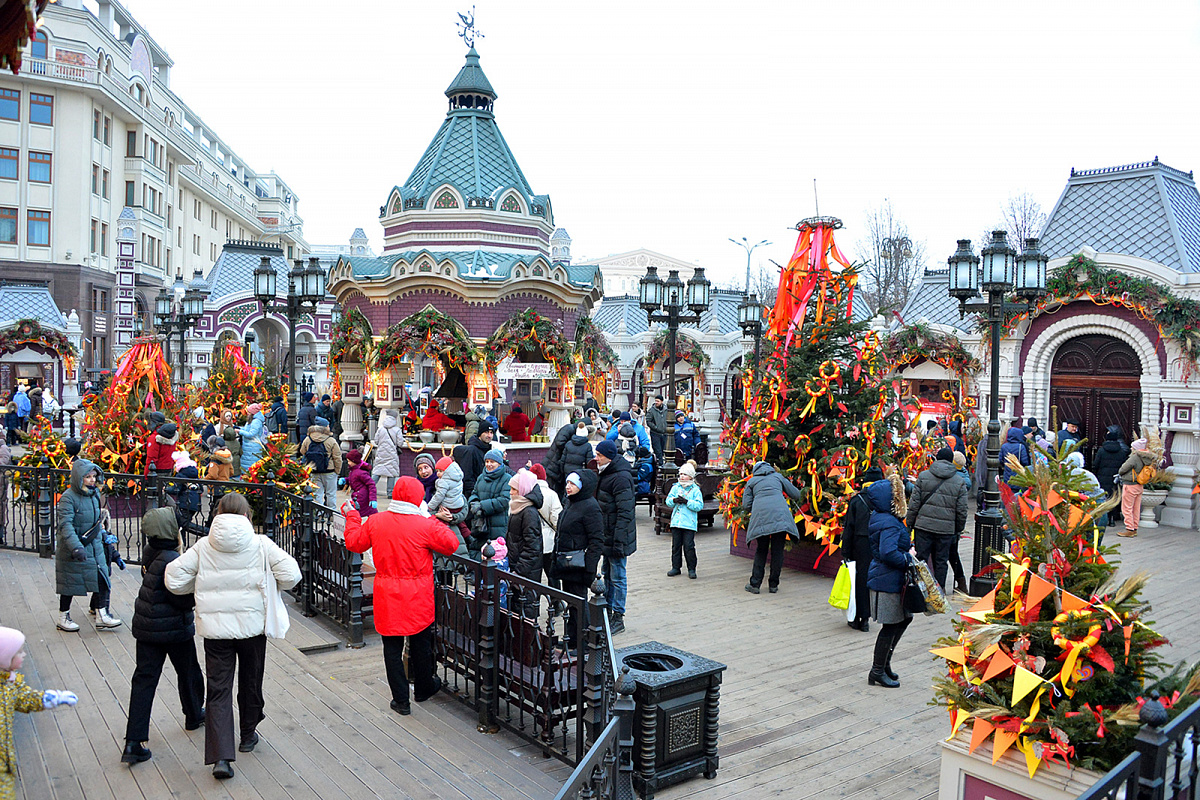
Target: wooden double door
<point>1096,379</point>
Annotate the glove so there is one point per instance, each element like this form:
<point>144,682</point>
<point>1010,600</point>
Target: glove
<point>120,562</point>
<point>53,698</point>
<point>78,555</point>
<point>341,483</point>
<point>681,501</point>
<point>375,504</point>
<point>110,538</point>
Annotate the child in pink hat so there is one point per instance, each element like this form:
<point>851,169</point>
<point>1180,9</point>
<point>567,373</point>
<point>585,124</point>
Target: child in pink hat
<point>15,696</point>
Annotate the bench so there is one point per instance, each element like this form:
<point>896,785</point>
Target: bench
<point>709,483</point>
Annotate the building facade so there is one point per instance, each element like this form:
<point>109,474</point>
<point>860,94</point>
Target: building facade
<point>102,163</point>
<point>1096,356</point>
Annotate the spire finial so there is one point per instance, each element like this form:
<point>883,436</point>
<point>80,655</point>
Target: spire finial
<point>467,30</point>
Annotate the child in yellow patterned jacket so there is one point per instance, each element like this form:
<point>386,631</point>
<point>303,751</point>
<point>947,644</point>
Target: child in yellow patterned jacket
<point>16,696</point>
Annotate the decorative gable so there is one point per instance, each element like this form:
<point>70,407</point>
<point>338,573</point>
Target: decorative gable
<point>446,200</point>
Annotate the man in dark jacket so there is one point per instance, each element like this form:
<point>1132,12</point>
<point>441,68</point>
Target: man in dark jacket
<point>856,547</point>
<point>937,512</point>
<point>580,527</point>
<point>469,456</point>
<point>617,497</point>
<point>656,422</point>
<point>1107,463</point>
<point>305,416</point>
<point>1070,433</point>
<point>324,409</point>
<point>686,437</point>
<point>163,628</point>
<point>553,460</point>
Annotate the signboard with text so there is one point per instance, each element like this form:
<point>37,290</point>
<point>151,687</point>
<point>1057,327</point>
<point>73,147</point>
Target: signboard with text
<point>508,369</point>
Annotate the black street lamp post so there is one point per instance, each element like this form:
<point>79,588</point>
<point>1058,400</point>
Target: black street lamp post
<point>665,302</point>
<point>171,317</point>
<point>1003,271</point>
<point>306,288</point>
<point>751,322</point>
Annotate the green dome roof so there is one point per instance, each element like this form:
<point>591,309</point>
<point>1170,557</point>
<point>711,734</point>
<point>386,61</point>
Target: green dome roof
<point>470,79</point>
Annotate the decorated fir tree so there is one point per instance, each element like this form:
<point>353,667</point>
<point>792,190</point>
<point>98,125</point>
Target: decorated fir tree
<point>232,384</point>
<point>280,466</point>
<point>1055,660</point>
<point>822,410</point>
<point>43,442</point>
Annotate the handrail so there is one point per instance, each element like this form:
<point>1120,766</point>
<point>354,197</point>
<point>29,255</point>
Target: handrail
<point>598,767</point>
<point>1123,778</point>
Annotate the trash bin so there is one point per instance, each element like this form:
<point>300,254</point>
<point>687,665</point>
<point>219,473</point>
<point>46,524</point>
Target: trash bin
<point>677,698</point>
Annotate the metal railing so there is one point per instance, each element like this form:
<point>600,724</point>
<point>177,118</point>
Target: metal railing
<point>606,771</point>
<point>1164,762</point>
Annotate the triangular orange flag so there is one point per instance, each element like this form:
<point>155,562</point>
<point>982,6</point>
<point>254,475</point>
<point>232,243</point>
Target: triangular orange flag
<point>985,605</point>
<point>957,718</point>
<point>999,663</point>
<point>1075,517</point>
<point>956,653</point>
<point>1053,499</point>
<point>1072,603</point>
<point>1039,588</point>
<point>1001,743</point>
<point>979,733</point>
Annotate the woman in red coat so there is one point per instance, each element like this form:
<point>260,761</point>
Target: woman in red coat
<point>404,541</point>
<point>516,424</point>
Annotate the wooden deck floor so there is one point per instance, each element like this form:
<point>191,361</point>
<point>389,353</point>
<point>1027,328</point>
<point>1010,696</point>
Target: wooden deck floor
<point>797,717</point>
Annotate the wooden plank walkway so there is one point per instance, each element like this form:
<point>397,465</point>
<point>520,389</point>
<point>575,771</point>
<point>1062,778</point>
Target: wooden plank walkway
<point>797,717</point>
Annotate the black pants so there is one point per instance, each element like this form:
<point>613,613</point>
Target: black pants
<point>886,641</point>
<point>220,658</point>
<point>150,658</point>
<point>658,441</point>
<point>935,548</point>
<point>683,545</point>
<point>862,595</point>
<point>99,599</point>
<point>571,624</point>
<point>548,571</point>
<point>420,662</point>
<point>773,542</point>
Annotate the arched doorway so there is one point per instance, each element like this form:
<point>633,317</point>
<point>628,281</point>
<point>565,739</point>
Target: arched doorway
<point>1097,380</point>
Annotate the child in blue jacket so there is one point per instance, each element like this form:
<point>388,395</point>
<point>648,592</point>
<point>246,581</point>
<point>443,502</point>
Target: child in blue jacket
<point>645,471</point>
<point>685,501</point>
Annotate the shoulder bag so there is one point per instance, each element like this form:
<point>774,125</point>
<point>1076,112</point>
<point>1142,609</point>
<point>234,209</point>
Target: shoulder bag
<point>277,622</point>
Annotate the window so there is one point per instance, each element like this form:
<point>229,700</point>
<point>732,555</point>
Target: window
<point>103,238</point>
<point>130,194</point>
<point>99,300</point>
<point>168,217</point>
<point>108,131</point>
<point>95,179</point>
<point>8,226</point>
<point>196,209</point>
<point>214,219</point>
<point>39,167</point>
<point>41,109</point>
<point>104,184</point>
<point>38,49</point>
<point>195,244</point>
<point>8,163</point>
<point>289,252</point>
<point>212,252</point>
<point>96,115</point>
<point>95,233</point>
<point>168,267</point>
<point>170,173</point>
<point>38,232</point>
<point>229,230</point>
<point>10,104</point>
<point>179,236</point>
<point>99,352</point>
<point>131,143</point>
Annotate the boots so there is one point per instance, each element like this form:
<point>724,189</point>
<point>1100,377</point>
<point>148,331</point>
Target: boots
<point>65,623</point>
<point>104,619</point>
<point>879,676</point>
<point>135,753</point>
<point>618,624</point>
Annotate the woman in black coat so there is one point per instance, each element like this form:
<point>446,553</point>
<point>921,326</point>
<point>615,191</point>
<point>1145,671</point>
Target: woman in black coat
<point>580,527</point>
<point>163,627</point>
<point>524,537</point>
<point>577,452</point>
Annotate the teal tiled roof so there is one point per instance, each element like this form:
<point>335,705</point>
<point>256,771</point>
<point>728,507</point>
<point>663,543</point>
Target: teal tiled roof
<point>470,264</point>
<point>470,79</point>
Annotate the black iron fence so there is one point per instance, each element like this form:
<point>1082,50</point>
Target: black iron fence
<point>1163,765</point>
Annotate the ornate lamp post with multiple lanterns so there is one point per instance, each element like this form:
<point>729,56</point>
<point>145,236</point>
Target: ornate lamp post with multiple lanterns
<point>750,319</point>
<point>1000,271</point>
<point>306,288</point>
<point>171,316</point>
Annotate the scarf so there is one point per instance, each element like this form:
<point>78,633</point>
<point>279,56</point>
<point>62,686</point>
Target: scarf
<point>401,507</point>
<point>518,504</point>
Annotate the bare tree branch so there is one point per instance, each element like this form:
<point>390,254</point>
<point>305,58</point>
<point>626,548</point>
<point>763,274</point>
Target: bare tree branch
<point>1022,217</point>
<point>892,260</point>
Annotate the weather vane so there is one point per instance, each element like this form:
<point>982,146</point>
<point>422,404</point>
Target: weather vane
<point>466,28</point>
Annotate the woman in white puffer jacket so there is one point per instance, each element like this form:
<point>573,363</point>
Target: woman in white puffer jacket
<point>385,466</point>
<point>227,571</point>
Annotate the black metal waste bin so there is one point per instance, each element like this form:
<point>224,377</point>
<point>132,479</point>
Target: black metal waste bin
<point>675,725</point>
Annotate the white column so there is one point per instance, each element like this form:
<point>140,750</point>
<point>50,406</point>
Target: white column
<point>1185,451</point>
<point>70,392</point>
<point>353,377</point>
<point>559,414</point>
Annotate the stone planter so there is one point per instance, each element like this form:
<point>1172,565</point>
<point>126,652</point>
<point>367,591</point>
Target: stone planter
<point>1151,499</point>
<point>973,776</point>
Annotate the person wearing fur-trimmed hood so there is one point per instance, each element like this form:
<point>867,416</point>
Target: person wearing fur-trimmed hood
<point>891,545</point>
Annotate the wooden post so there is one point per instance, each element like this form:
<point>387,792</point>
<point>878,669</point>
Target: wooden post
<point>42,480</point>
<point>488,598</point>
<point>356,598</point>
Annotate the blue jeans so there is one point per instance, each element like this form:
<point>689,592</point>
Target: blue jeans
<point>615,584</point>
<point>325,488</point>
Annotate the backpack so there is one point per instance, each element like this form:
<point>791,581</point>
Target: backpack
<point>317,455</point>
<point>273,423</point>
<point>1145,475</point>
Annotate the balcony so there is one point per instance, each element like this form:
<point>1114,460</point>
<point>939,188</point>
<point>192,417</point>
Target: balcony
<point>222,192</point>
<point>137,165</point>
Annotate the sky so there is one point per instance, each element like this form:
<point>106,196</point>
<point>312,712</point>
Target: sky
<point>674,126</point>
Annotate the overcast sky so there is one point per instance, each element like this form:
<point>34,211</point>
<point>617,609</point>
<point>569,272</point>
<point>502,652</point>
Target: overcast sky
<point>673,126</point>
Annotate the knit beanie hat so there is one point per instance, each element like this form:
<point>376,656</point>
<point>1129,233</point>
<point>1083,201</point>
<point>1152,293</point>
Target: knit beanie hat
<point>11,642</point>
<point>575,479</point>
<point>73,446</point>
<point>945,454</point>
<point>168,431</point>
<point>253,408</point>
<point>688,470</point>
<point>444,463</point>
<point>321,422</point>
<point>324,398</point>
<point>607,449</point>
<point>501,549</point>
<point>523,482</point>
<point>581,428</point>
<point>215,442</point>
<point>1140,444</point>
<point>354,457</point>
<point>306,397</point>
<point>625,416</point>
<point>960,460</point>
<point>425,458</point>
<point>538,471</point>
<point>494,455</point>
<point>182,459</point>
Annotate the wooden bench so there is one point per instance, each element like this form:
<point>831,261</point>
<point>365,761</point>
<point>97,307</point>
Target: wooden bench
<point>709,483</point>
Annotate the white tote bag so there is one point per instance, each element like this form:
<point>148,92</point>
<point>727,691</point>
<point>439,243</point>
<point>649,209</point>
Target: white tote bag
<point>277,623</point>
<point>851,610</point>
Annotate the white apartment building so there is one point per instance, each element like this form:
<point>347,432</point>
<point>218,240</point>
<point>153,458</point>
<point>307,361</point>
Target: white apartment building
<point>91,128</point>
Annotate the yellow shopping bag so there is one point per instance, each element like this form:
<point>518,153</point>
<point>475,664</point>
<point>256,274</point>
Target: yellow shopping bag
<point>839,597</point>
